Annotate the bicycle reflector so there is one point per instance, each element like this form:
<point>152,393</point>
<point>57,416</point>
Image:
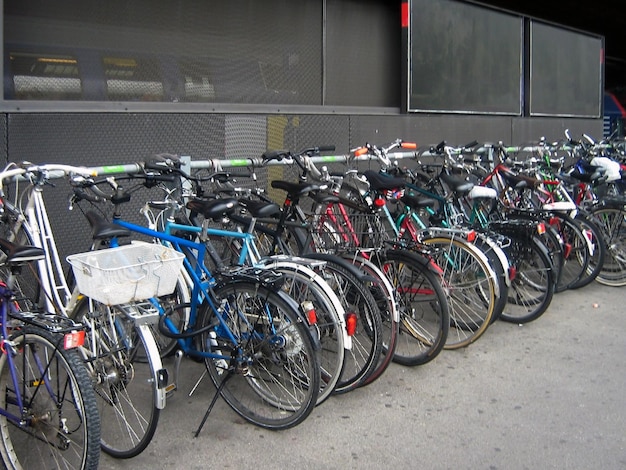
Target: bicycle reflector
<point>379,202</point>
<point>471,236</point>
<point>351,321</point>
<point>74,339</point>
<point>408,145</point>
<point>309,312</point>
<point>360,151</point>
<point>541,228</point>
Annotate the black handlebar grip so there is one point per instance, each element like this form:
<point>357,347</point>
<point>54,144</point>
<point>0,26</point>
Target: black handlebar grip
<point>81,194</point>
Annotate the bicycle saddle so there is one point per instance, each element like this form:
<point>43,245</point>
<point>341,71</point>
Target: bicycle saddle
<point>213,208</point>
<point>379,181</point>
<point>102,229</point>
<point>18,254</point>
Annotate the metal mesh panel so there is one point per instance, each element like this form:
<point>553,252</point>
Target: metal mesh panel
<point>3,138</point>
<point>221,51</point>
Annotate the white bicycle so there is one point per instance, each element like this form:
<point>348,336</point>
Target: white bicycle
<point>120,350</point>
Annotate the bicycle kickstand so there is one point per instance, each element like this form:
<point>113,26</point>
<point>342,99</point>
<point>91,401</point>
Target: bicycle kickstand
<point>229,374</point>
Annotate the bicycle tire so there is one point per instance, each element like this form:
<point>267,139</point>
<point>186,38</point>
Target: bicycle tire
<point>76,439</point>
<point>597,247</point>
<point>533,286</point>
<point>612,222</point>
<point>125,367</point>
<point>304,285</point>
<point>471,288</point>
<point>361,359</point>
<point>385,297</point>
<point>576,254</point>
<point>286,357</point>
<point>423,306</point>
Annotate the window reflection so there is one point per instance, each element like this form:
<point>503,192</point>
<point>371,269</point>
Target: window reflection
<point>45,77</point>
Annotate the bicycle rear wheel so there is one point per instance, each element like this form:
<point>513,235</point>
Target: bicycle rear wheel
<point>533,286</point>
<point>124,361</point>
<point>27,288</point>
<point>312,293</point>
<point>272,375</point>
<point>61,428</point>
<point>576,251</point>
<point>597,249</point>
<point>366,337</point>
<point>384,295</point>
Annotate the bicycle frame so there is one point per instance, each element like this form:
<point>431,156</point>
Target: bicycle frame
<point>201,279</point>
<point>6,347</point>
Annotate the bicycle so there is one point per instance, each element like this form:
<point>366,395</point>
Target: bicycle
<point>421,322</point>
<point>255,341</point>
<point>269,222</point>
<point>48,413</point>
<point>304,280</point>
<point>130,393</point>
<point>472,286</point>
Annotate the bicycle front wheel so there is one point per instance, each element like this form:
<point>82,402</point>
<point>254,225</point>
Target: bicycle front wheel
<point>58,426</point>
<point>612,222</point>
<point>424,313</point>
<point>270,376</point>
<point>471,286</point>
<point>124,361</point>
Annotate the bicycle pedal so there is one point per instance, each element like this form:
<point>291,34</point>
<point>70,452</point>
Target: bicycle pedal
<point>170,389</point>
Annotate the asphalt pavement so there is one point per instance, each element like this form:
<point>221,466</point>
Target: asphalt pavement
<point>546,395</point>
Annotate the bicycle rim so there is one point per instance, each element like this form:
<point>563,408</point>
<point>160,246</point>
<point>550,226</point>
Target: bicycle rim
<point>424,314</point>
<point>470,286</point>
<point>63,426</point>
<point>275,383</point>
<point>124,374</point>
<point>612,222</point>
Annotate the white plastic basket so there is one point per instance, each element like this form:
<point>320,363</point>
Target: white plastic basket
<point>127,273</point>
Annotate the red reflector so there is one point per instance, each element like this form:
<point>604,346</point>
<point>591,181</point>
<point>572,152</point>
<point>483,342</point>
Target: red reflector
<point>351,323</point>
<point>541,228</point>
<point>309,311</point>
<point>471,236</point>
<point>379,202</point>
<point>512,272</point>
<point>74,339</point>
<point>360,151</point>
<point>567,250</point>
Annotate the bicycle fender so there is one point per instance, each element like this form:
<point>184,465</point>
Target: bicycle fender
<point>348,266</point>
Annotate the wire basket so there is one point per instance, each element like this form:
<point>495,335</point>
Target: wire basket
<point>128,273</point>
<point>357,232</point>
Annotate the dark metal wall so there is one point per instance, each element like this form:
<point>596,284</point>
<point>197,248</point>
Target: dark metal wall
<point>95,139</point>
<point>349,98</point>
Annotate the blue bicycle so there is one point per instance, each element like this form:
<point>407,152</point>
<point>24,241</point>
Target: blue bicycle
<point>255,341</point>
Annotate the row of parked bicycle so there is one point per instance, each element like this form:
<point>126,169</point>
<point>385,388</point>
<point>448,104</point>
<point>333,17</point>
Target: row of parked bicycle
<point>394,255</point>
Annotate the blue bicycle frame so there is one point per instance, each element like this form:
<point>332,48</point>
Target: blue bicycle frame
<point>202,279</point>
